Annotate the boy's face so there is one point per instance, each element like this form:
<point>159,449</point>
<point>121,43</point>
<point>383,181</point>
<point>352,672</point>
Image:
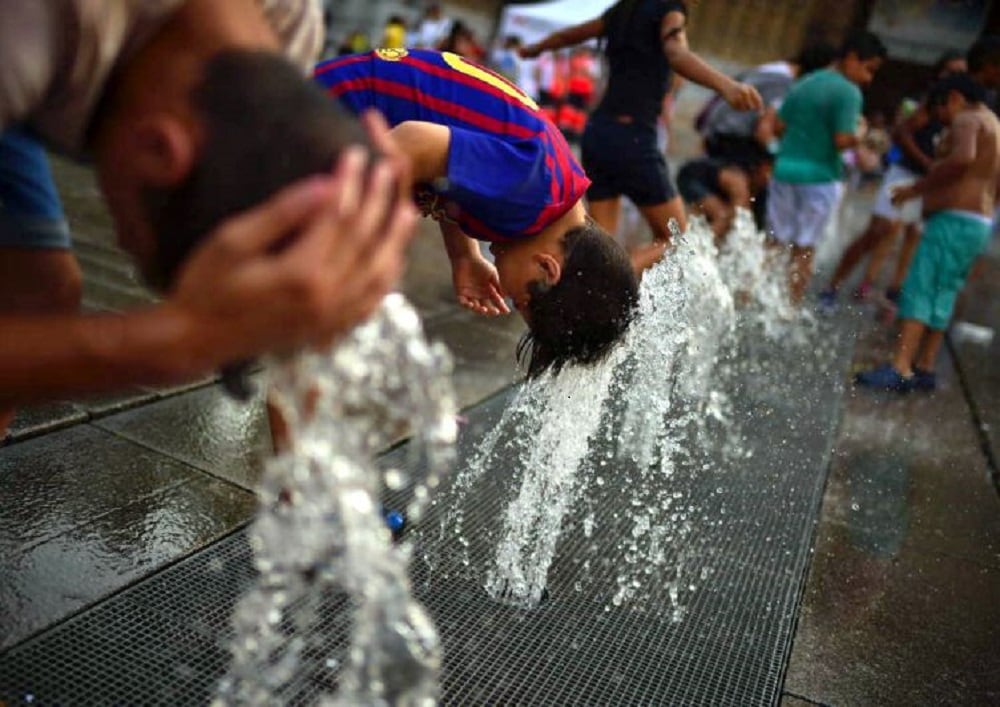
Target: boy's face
<point>520,263</point>
<point>860,71</point>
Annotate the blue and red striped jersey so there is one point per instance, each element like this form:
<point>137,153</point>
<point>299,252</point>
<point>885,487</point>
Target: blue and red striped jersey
<point>510,171</point>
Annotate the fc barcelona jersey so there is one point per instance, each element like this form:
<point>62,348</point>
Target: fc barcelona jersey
<point>510,171</point>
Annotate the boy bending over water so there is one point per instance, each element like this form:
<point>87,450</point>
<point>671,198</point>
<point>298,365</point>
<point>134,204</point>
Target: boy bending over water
<point>959,194</point>
<point>489,166</point>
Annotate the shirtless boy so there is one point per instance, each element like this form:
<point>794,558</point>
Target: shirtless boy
<point>959,194</point>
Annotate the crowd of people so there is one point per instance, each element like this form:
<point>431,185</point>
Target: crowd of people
<point>247,190</point>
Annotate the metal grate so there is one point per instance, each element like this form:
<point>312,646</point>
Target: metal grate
<point>161,641</point>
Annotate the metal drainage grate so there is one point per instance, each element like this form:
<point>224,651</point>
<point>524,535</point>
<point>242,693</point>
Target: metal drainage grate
<point>161,641</point>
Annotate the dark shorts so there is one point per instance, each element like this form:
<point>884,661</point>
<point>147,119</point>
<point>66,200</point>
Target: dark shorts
<point>624,159</point>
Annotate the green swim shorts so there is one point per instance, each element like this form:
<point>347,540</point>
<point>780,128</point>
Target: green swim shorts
<point>951,243</point>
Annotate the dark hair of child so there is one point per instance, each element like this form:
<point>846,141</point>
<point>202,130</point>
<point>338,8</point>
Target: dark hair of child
<point>580,318</point>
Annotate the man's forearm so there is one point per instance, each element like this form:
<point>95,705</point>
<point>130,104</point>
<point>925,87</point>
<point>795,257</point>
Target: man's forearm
<point>62,356</point>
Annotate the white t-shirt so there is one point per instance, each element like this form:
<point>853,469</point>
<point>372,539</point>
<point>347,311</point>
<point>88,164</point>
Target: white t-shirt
<point>431,32</point>
<point>56,55</point>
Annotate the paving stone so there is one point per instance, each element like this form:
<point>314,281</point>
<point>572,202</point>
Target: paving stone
<point>59,576</point>
<point>204,428</point>
<point>51,485</point>
<point>900,605</point>
<point>483,352</point>
<point>34,420</point>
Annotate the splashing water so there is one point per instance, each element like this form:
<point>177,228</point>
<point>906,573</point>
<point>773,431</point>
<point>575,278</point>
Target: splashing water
<point>320,531</point>
<point>642,414</point>
<point>754,272</point>
<point>531,529</point>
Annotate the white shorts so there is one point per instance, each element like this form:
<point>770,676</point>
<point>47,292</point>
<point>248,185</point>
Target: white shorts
<point>798,214</point>
<point>909,212</point>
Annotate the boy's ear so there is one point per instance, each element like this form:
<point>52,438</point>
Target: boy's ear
<point>550,266</point>
<point>164,150</point>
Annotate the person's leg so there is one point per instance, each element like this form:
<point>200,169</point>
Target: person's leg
<point>606,213</point>
<point>880,252</point>
<point>878,230</point>
<point>911,239</point>
<point>658,216</point>
<point>911,332</point>
<point>926,360</point>
<point>800,272</point>
<point>814,207</point>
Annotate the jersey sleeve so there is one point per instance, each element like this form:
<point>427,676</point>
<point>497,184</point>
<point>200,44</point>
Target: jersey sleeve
<point>501,184</point>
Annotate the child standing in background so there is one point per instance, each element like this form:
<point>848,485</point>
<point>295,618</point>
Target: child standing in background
<point>818,119</point>
<point>959,194</point>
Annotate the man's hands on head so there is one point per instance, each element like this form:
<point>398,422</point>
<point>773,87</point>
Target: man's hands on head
<point>301,269</point>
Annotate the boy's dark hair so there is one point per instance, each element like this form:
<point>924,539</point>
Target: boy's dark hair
<point>864,45</point>
<point>266,126</point>
<point>942,62</point>
<point>814,56</point>
<point>963,83</point>
<point>984,52</point>
<point>579,319</point>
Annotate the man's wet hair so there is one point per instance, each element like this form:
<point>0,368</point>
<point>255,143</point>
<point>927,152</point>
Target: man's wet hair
<point>266,126</point>
<point>962,83</point>
<point>579,319</point>
<point>864,45</point>
<point>984,52</point>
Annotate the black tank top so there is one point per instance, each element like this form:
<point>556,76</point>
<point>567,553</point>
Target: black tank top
<point>639,73</point>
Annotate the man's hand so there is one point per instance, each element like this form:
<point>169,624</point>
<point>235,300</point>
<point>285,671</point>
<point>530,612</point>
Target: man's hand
<point>477,286</point>
<point>301,269</point>
<point>742,96</point>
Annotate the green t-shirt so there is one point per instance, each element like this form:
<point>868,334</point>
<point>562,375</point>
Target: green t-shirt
<point>816,108</point>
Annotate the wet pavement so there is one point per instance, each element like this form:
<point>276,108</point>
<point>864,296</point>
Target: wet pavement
<point>900,605</point>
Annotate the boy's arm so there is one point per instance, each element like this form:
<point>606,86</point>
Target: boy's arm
<point>426,145</point>
<point>477,284</point>
<point>568,37</point>
<point>952,166</point>
<point>691,66</point>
